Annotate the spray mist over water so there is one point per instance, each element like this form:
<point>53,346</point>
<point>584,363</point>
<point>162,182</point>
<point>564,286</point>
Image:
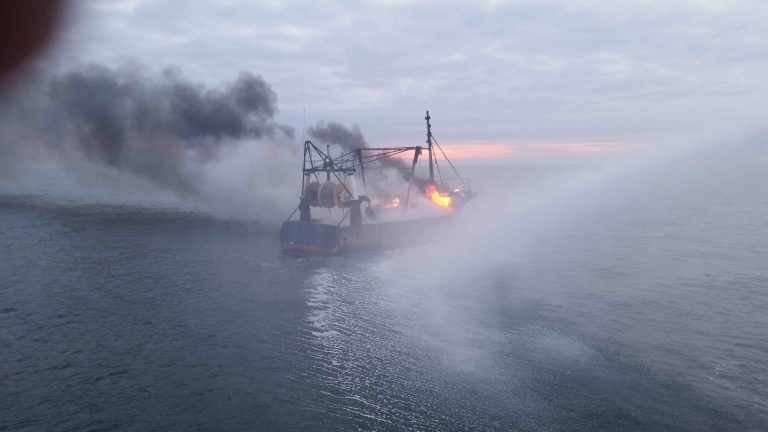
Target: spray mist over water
<point>659,256</point>
<point>541,298</point>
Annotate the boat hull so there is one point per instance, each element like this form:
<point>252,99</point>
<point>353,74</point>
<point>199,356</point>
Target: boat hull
<point>319,238</point>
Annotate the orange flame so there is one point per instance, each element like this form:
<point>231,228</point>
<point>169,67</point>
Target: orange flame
<point>442,200</point>
<point>394,202</point>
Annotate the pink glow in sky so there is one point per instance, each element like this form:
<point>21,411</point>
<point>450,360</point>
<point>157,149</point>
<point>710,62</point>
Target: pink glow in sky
<point>511,151</point>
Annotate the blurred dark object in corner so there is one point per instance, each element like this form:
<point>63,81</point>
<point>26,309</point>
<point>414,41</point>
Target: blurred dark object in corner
<point>26,26</point>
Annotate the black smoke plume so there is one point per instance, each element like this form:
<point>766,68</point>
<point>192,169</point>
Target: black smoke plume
<point>337,134</point>
<point>151,125</point>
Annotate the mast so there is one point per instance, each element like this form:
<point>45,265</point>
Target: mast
<point>429,148</point>
<point>304,174</point>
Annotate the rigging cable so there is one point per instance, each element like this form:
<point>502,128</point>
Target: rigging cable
<point>446,158</point>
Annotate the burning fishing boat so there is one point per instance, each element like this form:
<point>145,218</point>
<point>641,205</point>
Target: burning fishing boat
<point>363,209</point>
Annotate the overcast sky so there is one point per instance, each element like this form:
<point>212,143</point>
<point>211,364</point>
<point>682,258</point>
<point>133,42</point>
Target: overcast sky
<point>505,77</point>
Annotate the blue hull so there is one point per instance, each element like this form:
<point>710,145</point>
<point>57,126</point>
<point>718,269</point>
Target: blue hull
<point>310,237</point>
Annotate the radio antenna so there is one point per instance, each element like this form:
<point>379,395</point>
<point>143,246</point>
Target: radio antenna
<point>304,110</point>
